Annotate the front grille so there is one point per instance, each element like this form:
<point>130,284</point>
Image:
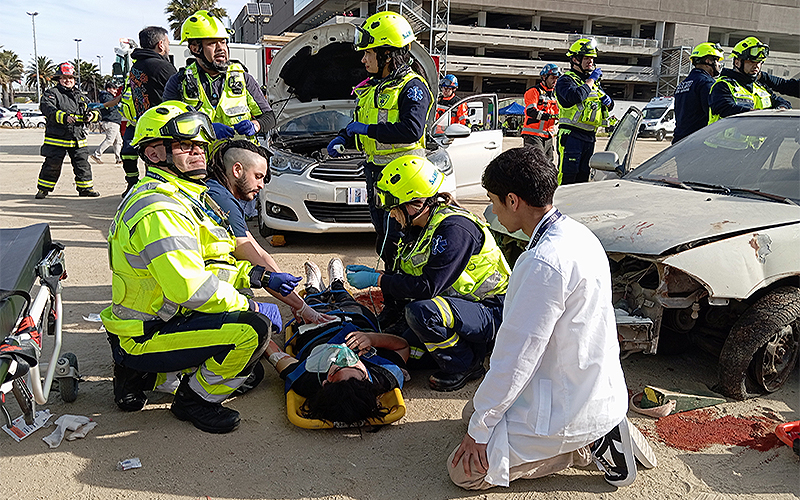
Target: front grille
<point>338,212</point>
<point>340,170</point>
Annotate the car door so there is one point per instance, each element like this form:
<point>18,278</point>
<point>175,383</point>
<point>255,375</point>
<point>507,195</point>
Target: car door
<point>471,154</point>
<point>622,142</point>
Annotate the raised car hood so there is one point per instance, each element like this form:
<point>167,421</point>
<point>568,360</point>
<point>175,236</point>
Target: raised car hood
<point>322,64</point>
<point>649,219</point>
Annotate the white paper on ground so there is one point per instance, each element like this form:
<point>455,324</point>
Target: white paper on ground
<point>63,424</point>
<point>20,430</point>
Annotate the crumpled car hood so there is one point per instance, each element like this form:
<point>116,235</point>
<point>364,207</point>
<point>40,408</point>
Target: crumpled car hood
<point>649,219</point>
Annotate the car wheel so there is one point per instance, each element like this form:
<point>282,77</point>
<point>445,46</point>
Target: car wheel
<point>40,125</point>
<point>5,124</point>
<point>762,348</point>
<point>660,135</point>
<point>263,229</point>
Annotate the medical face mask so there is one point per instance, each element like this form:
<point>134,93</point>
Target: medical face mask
<point>325,355</point>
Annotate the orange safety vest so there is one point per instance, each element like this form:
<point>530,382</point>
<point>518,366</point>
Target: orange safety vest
<point>544,100</point>
<point>460,115</point>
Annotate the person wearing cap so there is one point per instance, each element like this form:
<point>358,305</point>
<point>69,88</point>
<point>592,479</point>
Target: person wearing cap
<point>692,94</point>
<point>175,300</point>
<point>66,111</point>
<point>583,108</point>
<point>737,90</point>
<point>448,99</point>
<point>110,120</point>
<point>449,274</point>
<point>541,111</point>
<point>217,86</point>
<point>395,124</point>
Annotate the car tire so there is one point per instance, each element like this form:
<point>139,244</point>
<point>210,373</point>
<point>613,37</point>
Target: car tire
<point>660,135</point>
<point>5,124</point>
<point>762,349</point>
<point>40,125</point>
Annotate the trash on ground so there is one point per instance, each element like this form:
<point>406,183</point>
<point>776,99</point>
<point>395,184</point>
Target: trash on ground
<point>130,463</point>
<point>79,424</point>
<point>654,411</point>
<point>654,397</point>
<point>93,317</point>
<point>277,240</point>
<point>789,433</point>
<point>20,430</point>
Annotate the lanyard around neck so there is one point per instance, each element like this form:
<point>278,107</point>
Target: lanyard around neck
<point>544,226</point>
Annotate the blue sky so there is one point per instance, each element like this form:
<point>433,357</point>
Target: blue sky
<point>99,25</point>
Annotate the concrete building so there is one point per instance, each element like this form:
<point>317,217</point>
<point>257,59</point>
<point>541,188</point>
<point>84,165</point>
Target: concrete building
<point>500,47</point>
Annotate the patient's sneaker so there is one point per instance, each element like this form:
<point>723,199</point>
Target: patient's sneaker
<point>613,454</point>
<point>335,271</point>
<point>313,277</point>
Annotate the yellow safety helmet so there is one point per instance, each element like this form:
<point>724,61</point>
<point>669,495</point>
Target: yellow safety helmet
<point>384,29</point>
<point>407,178</point>
<point>173,120</point>
<point>203,24</point>
<point>583,47</point>
<point>707,49</point>
<point>750,49</point>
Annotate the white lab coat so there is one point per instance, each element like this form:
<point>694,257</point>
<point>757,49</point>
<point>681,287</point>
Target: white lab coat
<point>555,383</point>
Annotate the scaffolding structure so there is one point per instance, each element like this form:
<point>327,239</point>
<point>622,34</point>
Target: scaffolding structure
<point>675,66</point>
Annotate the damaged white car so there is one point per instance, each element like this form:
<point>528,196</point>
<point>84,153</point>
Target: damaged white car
<point>704,245</point>
<point>310,85</point>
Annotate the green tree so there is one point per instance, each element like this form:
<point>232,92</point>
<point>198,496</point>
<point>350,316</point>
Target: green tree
<point>47,68</point>
<point>11,70</point>
<point>91,79</point>
<point>179,10</point>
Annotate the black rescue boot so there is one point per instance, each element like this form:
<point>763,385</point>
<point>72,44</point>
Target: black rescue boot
<point>88,193</point>
<point>129,387</point>
<point>206,416</point>
<point>446,382</point>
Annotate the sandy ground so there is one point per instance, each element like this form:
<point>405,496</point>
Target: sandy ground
<point>268,457</point>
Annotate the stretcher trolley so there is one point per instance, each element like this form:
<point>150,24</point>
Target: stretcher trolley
<point>31,269</point>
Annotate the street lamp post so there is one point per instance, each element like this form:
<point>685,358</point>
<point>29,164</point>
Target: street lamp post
<point>36,56</point>
<point>100,64</point>
<point>78,51</point>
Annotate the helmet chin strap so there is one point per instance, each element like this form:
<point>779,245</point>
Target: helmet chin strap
<point>201,57</point>
<point>750,78</point>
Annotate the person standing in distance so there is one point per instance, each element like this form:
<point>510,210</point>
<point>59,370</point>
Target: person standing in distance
<point>584,107</point>
<point>448,99</point>
<point>541,111</point>
<point>215,85</point>
<point>110,120</point>
<point>391,115</point>
<point>692,94</point>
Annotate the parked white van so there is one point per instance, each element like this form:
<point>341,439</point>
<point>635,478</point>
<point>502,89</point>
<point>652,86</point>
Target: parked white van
<point>659,118</point>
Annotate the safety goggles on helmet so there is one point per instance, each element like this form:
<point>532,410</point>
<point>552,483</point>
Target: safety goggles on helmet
<point>189,125</point>
<point>385,200</point>
<point>363,39</point>
<point>755,53</point>
<point>323,356</point>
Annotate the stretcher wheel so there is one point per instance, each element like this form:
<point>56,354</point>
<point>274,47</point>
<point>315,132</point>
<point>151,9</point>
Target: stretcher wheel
<point>68,386</point>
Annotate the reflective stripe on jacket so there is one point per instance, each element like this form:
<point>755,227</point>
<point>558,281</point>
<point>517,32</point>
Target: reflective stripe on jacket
<point>586,115</point>
<point>759,98</point>
<point>57,104</point>
<point>486,274</point>
<point>380,104</point>
<point>168,255</point>
<point>545,101</point>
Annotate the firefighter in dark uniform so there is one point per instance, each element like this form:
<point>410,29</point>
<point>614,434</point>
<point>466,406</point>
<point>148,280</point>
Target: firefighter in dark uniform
<point>692,94</point>
<point>541,111</point>
<point>449,273</point>
<point>584,108</point>
<point>66,110</point>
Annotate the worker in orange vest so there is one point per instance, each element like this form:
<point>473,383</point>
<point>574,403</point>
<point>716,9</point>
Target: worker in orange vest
<point>541,111</point>
<point>448,99</point>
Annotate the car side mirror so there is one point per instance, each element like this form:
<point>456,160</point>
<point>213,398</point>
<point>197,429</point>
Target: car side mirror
<point>607,161</point>
<point>455,131</point>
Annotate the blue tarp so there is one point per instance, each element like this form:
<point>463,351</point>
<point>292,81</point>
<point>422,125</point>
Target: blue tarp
<point>512,109</point>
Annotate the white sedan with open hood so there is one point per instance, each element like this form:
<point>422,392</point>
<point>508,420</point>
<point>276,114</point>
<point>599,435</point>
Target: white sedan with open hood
<point>310,85</point>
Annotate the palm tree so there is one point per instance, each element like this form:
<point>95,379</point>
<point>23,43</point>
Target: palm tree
<point>90,76</point>
<point>11,70</point>
<point>47,68</point>
<point>180,10</point>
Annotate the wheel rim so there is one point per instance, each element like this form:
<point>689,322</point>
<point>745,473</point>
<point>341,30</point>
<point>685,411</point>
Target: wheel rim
<point>774,361</point>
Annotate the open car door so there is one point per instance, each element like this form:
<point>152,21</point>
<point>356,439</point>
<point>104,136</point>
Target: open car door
<point>470,152</point>
<point>622,142</point>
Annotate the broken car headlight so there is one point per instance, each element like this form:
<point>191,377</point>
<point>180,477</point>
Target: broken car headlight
<point>284,163</point>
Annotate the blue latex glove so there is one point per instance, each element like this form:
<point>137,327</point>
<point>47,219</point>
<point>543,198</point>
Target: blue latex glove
<point>362,278</point>
<point>606,100</point>
<point>269,310</point>
<point>337,141</point>
<point>222,131</point>
<point>357,128</point>
<point>596,74</point>
<point>283,283</point>
<point>351,268</point>
<point>96,105</point>
<point>245,127</point>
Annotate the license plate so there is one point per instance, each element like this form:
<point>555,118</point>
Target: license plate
<point>356,196</point>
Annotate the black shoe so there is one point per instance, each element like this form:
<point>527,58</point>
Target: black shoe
<point>88,193</point>
<point>613,454</point>
<point>255,378</point>
<point>41,194</point>
<point>446,382</point>
<point>206,416</point>
<point>129,387</point>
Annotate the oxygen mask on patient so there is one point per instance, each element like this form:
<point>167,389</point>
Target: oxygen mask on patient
<point>323,356</point>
